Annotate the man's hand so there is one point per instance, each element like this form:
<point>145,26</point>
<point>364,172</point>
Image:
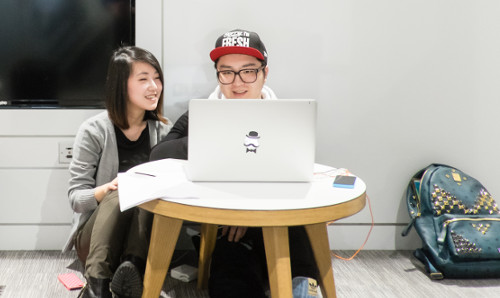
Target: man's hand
<point>235,233</point>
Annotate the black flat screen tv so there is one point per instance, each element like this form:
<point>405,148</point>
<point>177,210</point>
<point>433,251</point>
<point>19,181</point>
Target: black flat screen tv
<point>55,53</point>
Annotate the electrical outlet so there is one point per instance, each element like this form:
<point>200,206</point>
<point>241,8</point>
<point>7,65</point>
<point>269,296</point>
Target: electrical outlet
<point>65,152</point>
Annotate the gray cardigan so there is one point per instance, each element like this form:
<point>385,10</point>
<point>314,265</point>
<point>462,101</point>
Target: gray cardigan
<point>95,162</point>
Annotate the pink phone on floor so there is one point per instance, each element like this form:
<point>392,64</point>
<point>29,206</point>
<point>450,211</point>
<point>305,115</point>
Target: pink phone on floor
<point>70,281</point>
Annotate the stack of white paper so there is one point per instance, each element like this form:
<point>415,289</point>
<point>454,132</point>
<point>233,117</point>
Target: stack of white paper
<point>153,180</point>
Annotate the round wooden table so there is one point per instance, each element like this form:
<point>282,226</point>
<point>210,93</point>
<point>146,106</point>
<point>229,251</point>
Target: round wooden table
<point>272,206</point>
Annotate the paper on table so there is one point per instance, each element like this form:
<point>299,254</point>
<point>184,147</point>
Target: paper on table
<point>151,181</point>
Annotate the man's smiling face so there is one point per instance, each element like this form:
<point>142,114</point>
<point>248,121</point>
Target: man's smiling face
<point>240,89</point>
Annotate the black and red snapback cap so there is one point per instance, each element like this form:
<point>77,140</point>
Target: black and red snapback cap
<point>239,41</point>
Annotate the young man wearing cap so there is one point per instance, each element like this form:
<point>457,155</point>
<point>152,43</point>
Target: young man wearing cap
<point>238,267</point>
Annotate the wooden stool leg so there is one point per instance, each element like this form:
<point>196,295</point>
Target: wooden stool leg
<point>164,236</point>
<point>207,245</point>
<point>318,237</point>
<point>278,261</point>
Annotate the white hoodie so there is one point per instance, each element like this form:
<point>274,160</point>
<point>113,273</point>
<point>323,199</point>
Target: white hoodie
<point>267,93</point>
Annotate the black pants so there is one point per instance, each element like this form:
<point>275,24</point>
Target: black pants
<point>239,269</point>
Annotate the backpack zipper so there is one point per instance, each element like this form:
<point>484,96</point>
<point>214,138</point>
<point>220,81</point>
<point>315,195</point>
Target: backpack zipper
<point>417,192</point>
<point>442,235</point>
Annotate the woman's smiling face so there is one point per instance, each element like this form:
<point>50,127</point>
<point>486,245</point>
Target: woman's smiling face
<point>144,87</point>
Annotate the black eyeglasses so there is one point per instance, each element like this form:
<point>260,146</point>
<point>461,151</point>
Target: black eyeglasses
<point>247,75</point>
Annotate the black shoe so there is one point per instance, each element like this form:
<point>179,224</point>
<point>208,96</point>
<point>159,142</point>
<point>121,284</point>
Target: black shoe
<point>96,288</point>
<point>127,281</point>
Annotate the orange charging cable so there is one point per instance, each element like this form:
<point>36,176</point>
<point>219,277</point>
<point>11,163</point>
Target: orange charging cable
<point>367,236</point>
<point>342,171</point>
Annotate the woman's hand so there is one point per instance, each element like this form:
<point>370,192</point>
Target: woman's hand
<point>101,191</point>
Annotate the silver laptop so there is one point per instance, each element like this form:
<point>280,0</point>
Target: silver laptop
<point>251,140</point>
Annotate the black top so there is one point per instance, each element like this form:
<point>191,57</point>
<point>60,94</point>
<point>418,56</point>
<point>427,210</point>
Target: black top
<point>175,143</point>
<point>132,153</point>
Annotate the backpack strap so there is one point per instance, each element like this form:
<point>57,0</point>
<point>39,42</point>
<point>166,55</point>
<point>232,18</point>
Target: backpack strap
<point>413,197</point>
<point>408,227</point>
<point>433,272</point>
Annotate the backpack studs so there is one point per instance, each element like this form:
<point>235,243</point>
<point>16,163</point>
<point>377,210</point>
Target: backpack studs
<point>481,228</point>
<point>444,202</point>
<point>456,177</point>
<point>486,202</point>
<point>463,245</point>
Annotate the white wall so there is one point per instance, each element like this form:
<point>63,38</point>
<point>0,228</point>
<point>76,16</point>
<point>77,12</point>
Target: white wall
<point>34,208</point>
<point>400,84</point>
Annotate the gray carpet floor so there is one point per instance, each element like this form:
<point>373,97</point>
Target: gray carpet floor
<point>29,274</point>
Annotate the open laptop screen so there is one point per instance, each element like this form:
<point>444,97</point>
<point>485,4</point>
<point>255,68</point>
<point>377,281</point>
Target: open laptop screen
<point>251,140</point>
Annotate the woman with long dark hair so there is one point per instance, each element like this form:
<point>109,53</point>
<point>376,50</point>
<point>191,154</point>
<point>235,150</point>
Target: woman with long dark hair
<point>113,245</point>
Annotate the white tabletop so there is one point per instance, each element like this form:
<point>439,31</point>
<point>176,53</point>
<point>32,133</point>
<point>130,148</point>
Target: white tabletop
<point>244,195</point>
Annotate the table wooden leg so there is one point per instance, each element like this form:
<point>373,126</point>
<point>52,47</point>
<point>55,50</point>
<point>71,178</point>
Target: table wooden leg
<point>207,245</point>
<point>164,236</point>
<point>318,237</point>
<point>278,261</point>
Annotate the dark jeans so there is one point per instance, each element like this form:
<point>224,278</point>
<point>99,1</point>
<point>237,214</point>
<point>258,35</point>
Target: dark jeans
<point>239,269</point>
<point>109,235</point>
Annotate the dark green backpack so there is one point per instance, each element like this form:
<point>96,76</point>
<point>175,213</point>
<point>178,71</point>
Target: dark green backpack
<point>458,222</point>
